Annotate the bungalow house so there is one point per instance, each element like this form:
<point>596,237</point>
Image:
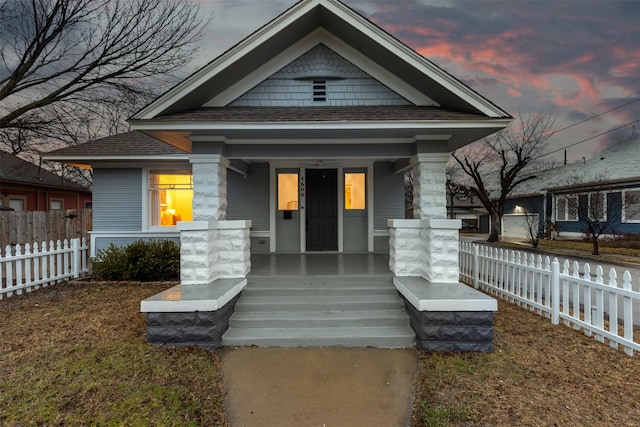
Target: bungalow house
<point>25,186</point>
<point>608,185</point>
<point>292,147</point>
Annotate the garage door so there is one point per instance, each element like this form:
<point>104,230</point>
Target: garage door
<point>516,225</point>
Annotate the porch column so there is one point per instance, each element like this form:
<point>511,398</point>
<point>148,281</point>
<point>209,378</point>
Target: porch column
<point>209,186</point>
<point>212,248</point>
<point>427,246</point>
<point>429,185</point>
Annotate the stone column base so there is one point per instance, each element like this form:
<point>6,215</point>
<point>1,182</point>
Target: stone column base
<point>190,329</point>
<point>212,250</point>
<point>452,331</point>
<point>426,248</point>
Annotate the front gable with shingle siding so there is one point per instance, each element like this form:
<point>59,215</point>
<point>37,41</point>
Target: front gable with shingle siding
<point>319,77</point>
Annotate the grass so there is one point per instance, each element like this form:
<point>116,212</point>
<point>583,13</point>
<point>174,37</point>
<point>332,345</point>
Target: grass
<point>76,354</point>
<point>624,249</point>
<point>538,375</point>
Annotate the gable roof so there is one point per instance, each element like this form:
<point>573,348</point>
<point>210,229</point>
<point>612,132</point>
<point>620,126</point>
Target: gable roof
<point>617,164</point>
<point>18,171</point>
<point>294,32</point>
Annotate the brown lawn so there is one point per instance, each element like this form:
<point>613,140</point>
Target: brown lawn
<point>76,353</point>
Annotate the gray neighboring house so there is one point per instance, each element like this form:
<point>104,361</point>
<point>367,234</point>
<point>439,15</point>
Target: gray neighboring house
<point>613,175</point>
<point>294,141</point>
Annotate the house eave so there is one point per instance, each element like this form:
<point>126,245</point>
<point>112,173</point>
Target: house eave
<point>86,159</point>
<point>592,186</point>
<point>455,133</point>
<point>164,125</point>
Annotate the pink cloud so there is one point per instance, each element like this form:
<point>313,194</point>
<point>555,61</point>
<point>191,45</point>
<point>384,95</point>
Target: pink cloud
<point>514,92</point>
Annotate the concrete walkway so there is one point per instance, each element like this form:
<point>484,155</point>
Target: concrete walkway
<point>318,386</point>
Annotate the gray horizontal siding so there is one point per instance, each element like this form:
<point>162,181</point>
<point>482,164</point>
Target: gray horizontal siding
<point>388,200</point>
<point>248,197</point>
<point>102,243</point>
<point>117,199</point>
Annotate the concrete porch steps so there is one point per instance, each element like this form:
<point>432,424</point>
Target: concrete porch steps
<point>317,311</point>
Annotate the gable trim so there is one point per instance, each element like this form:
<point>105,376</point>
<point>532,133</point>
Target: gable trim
<point>304,45</point>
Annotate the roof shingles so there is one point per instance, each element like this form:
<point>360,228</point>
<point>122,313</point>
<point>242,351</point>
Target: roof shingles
<point>317,114</point>
<point>17,170</point>
<point>125,144</point>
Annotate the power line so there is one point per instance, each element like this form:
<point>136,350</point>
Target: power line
<point>592,137</point>
<point>597,115</point>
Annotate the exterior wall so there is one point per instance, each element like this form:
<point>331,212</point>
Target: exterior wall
<point>614,211</point>
<point>38,198</point>
<point>381,244</point>
<point>346,84</point>
<point>260,245</point>
<point>248,197</point>
<point>355,230</point>
<point>388,195</point>
<point>102,243</point>
<point>117,199</point>
<point>533,204</point>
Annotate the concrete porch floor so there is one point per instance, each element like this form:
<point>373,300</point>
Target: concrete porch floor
<point>320,264</point>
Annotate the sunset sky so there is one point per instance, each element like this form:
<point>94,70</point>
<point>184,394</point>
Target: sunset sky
<point>577,58</point>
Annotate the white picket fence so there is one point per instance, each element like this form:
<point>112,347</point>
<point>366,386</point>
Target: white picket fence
<point>28,267</point>
<point>593,303</point>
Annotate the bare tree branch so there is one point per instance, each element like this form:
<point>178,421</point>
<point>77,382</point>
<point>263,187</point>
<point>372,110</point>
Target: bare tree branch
<point>499,163</point>
<point>61,51</point>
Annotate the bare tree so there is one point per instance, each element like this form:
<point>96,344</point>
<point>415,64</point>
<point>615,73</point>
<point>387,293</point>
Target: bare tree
<point>66,65</point>
<point>498,163</point>
<point>532,228</point>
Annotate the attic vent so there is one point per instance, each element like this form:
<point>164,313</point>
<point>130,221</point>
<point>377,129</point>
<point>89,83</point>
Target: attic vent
<point>319,90</point>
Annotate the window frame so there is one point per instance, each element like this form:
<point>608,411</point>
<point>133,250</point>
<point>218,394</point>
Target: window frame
<point>22,199</point>
<point>625,206</point>
<point>350,171</point>
<point>148,205</point>
<point>53,200</point>
<point>604,205</point>
<point>567,212</point>
<point>299,191</point>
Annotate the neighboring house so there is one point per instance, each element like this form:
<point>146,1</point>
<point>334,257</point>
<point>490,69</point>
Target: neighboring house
<point>25,186</point>
<point>610,179</point>
<point>461,204</point>
<point>296,140</point>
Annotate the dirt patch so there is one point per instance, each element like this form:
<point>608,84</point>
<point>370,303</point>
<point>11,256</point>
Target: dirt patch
<point>538,375</point>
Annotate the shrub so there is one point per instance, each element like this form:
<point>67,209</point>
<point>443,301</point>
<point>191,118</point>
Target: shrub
<point>144,261</point>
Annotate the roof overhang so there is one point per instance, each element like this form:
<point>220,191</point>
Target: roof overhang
<point>458,133</point>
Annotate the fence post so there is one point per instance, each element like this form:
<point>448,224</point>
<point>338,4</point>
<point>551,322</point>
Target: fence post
<point>476,266</point>
<point>75,260</point>
<point>555,292</point>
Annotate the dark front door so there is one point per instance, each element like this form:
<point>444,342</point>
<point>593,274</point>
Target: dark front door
<point>322,209</point>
